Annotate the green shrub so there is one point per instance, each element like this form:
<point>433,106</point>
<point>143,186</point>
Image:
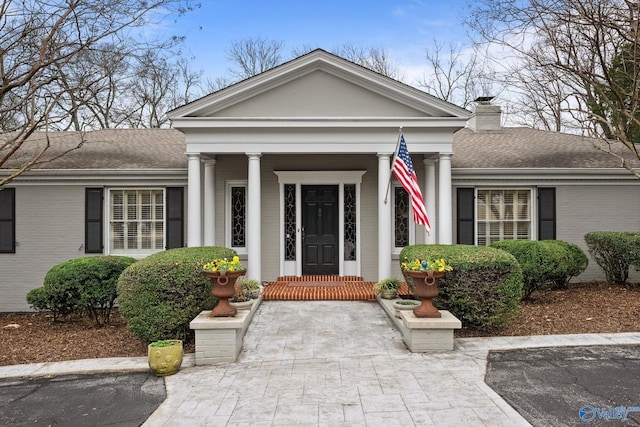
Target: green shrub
<point>388,284</point>
<point>79,285</point>
<point>484,287</point>
<point>577,260</point>
<point>542,262</point>
<point>39,300</point>
<point>161,294</point>
<point>614,252</point>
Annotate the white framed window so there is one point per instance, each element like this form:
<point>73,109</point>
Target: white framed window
<point>503,214</point>
<point>236,216</point>
<point>136,221</point>
<point>402,217</point>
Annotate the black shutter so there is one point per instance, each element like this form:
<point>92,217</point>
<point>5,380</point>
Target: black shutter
<point>175,217</point>
<point>466,210</point>
<point>546,213</point>
<point>94,221</point>
<point>8,220</point>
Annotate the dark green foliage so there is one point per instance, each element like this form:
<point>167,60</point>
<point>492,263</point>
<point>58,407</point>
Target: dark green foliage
<point>614,252</point>
<point>541,261</point>
<point>81,285</point>
<point>484,287</point>
<point>161,294</point>
<point>577,260</point>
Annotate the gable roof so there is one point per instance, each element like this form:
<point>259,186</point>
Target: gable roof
<point>330,66</point>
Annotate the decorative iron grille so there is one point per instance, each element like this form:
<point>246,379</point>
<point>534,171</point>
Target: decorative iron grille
<point>238,217</point>
<point>349,222</point>
<point>289,222</point>
<point>401,217</point>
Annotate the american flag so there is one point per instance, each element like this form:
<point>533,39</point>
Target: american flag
<point>403,169</point>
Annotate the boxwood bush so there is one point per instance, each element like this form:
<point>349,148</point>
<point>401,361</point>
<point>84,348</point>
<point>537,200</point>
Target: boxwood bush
<point>161,294</point>
<point>87,284</point>
<point>614,252</point>
<point>484,287</point>
<point>577,260</point>
<point>544,261</point>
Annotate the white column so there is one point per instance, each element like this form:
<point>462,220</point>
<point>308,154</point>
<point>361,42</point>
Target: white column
<point>445,221</point>
<point>384,217</point>
<point>210,202</point>
<point>430,198</point>
<point>194,204</point>
<point>254,214</point>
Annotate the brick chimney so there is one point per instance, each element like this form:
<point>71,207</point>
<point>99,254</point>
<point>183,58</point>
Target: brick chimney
<point>485,116</point>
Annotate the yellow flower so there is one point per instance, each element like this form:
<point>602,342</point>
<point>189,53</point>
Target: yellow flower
<point>224,264</point>
<point>422,265</point>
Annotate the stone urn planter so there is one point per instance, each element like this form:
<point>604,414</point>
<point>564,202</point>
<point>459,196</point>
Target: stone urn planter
<point>405,304</point>
<point>223,287</point>
<point>426,288</point>
<point>165,357</point>
<point>242,305</point>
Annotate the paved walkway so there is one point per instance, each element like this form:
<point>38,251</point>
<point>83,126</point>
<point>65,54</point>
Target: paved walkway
<point>334,363</point>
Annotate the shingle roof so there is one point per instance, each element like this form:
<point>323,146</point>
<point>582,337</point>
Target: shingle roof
<point>519,147</point>
<point>110,149</point>
<point>165,149</point>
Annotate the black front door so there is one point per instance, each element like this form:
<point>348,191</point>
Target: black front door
<point>320,229</point>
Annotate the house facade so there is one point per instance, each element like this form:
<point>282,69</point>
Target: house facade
<point>292,169</point>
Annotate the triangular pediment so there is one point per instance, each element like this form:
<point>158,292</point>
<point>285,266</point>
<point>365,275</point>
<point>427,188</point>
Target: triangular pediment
<point>319,84</point>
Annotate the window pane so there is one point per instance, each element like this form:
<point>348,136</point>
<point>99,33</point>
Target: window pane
<point>238,217</point>
<point>349,222</point>
<point>137,220</point>
<point>401,217</point>
<point>502,215</point>
<point>290,222</point>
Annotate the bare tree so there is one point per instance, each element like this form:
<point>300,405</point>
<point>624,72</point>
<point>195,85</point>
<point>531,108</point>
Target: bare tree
<point>44,84</point>
<point>373,58</point>
<point>253,56</point>
<point>576,43</point>
<point>457,74</point>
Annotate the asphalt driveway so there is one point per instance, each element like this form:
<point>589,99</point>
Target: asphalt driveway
<point>570,386</point>
<point>126,399</point>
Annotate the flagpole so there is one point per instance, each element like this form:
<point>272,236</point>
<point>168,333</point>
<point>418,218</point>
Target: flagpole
<point>393,160</point>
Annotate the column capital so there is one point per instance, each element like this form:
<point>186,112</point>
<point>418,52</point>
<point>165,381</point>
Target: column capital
<point>384,155</point>
<point>193,156</point>
<point>429,160</point>
<point>210,162</point>
<point>254,155</point>
<point>445,155</point>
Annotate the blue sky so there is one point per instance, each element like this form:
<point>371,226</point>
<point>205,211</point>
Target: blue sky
<point>404,28</point>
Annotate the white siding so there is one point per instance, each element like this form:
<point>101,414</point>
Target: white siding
<point>319,94</point>
<point>581,208</point>
<point>49,230</point>
<point>584,208</point>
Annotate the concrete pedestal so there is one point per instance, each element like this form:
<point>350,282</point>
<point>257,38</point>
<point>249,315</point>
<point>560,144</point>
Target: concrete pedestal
<point>219,339</point>
<point>423,334</point>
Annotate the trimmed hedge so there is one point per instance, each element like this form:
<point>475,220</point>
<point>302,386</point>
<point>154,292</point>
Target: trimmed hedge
<point>544,261</point>
<point>161,294</point>
<point>81,284</point>
<point>614,251</point>
<point>484,287</point>
<point>578,262</point>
